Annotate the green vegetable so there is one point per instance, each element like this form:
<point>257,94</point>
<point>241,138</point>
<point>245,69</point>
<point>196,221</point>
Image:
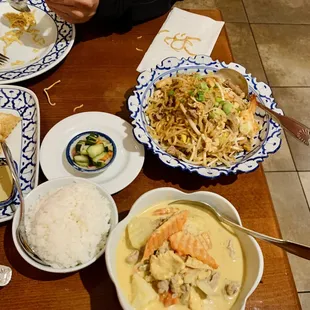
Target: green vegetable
<point>217,99</point>
<point>98,157</point>
<point>91,139</point>
<point>200,96</point>
<point>95,150</point>
<point>204,86</point>
<point>99,164</point>
<point>81,160</point>
<point>171,92</point>
<point>83,150</point>
<point>198,76</point>
<point>217,113</point>
<point>227,107</point>
<point>191,93</point>
<point>79,146</point>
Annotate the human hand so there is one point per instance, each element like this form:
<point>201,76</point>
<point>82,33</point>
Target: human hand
<point>74,11</point>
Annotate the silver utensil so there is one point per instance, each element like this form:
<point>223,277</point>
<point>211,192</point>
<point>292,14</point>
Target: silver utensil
<point>289,246</point>
<point>295,128</point>
<point>5,275</point>
<point>20,231</point>
<point>3,59</point>
<point>19,5</point>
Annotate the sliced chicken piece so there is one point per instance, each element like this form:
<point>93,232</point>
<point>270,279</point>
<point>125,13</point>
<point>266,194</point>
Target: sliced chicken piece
<point>164,82</point>
<point>232,289</point>
<point>195,263</point>
<point>166,265</point>
<point>163,286</point>
<point>209,285</point>
<point>133,257</point>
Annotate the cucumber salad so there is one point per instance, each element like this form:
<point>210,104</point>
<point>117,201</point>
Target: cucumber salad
<point>93,152</point>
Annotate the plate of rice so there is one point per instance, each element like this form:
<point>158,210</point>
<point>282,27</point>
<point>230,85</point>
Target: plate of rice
<point>67,223</point>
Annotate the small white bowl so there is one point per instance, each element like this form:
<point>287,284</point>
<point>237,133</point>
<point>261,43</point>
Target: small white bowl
<point>254,261</point>
<point>41,191</point>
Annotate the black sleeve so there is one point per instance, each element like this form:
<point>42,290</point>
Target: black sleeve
<point>131,11</point>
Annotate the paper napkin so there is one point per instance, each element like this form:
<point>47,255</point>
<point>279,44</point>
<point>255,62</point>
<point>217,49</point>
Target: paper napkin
<point>183,34</point>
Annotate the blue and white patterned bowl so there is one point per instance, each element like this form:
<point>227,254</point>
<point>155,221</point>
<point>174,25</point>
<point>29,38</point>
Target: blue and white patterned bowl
<point>267,141</point>
<point>71,145</point>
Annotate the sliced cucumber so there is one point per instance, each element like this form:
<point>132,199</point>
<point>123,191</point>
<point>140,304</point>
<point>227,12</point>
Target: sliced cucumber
<point>79,146</point>
<point>83,149</point>
<point>95,150</point>
<point>110,147</point>
<point>98,157</point>
<point>81,160</point>
<point>91,139</point>
<point>99,164</point>
<point>84,165</point>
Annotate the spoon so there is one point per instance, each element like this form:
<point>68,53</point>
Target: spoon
<point>298,130</point>
<point>19,5</point>
<point>20,231</point>
<point>289,246</point>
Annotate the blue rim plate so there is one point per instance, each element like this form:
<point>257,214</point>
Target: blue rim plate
<point>23,141</point>
<point>62,39</point>
<point>267,141</point>
<point>72,144</point>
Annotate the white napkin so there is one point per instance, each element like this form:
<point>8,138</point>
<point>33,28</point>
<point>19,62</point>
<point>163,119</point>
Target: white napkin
<point>201,32</point>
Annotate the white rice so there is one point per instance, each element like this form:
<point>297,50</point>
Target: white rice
<point>69,226</point>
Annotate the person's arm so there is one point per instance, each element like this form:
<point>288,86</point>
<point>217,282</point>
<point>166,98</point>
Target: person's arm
<point>80,11</point>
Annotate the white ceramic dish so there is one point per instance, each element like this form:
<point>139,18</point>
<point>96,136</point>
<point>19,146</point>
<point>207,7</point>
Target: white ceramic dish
<point>122,171</point>
<point>254,262</point>
<point>24,140</point>
<point>44,189</point>
<point>58,38</point>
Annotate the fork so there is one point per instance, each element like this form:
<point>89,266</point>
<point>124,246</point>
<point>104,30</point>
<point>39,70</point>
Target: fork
<point>3,59</point>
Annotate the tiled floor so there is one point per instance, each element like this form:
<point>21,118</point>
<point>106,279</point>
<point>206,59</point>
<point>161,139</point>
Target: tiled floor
<point>272,40</point>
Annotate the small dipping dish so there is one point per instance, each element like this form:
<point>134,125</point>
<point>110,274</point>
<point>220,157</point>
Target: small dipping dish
<point>7,188</point>
<point>91,152</point>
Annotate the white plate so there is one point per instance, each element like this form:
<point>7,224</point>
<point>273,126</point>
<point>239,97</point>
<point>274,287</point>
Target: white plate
<point>124,169</point>
<point>57,34</point>
<point>24,140</point>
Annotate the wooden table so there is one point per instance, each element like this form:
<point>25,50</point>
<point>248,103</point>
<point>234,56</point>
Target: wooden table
<point>100,72</point>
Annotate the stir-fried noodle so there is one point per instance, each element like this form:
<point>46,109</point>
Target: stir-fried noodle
<point>202,120</point>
